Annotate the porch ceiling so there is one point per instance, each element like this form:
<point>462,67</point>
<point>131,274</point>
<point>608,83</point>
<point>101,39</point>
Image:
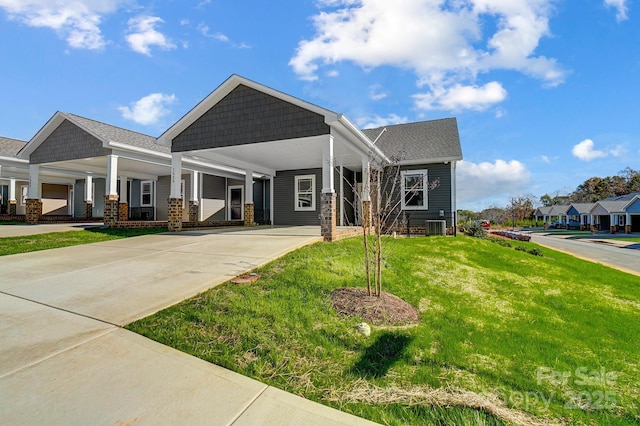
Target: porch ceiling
<point>291,154</point>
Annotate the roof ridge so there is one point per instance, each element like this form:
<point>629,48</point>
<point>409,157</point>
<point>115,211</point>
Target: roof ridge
<point>412,123</point>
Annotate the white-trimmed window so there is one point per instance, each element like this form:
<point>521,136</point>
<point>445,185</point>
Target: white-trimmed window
<point>146,193</point>
<point>182,192</point>
<point>414,189</point>
<point>24,193</point>
<point>305,193</point>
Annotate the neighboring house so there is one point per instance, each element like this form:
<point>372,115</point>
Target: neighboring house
<point>580,215</point>
<point>12,175</point>
<point>543,212</point>
<point>621,213</point>
<point>246,154</point>
<point>559,211</point>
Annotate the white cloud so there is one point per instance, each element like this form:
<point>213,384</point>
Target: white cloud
<point>619,151</point>
<point>142,34</point>
<point>486,183</point>
<point>620,6</point>
<point>204,30</point>
<point>376,92</point>
<point>442,42</point>
<point>546,159</point>
<point>377,121</point>
<point>460,97</point>
<point>149,109</point>
<point>586,151</point>
<point>77,21</point>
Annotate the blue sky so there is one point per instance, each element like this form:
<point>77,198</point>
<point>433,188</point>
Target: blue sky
<point>546,92</point>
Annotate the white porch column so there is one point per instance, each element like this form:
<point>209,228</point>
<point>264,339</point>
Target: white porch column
<point>176,174</point>
<point>248,187</point>
<point>195,184</point>
<point>12,189</point>
<point>112,175</point>
<point>124,195</point>
<point>88,186</point>
<point>366,181</point>
<point>34,181</point>
<point>328,160</point>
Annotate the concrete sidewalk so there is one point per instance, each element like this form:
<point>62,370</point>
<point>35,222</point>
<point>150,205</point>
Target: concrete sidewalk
<point>21,230</point>
<point>65,360</point>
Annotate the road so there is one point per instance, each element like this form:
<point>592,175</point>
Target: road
<point>622,256</point>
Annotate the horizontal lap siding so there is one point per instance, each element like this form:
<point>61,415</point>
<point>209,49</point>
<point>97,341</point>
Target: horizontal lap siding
<point>248,116</point>
<point>438,198</point>
<point>284,198</point>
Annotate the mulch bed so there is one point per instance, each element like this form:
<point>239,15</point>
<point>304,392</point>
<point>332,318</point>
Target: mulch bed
<point>246,278</point>
<point>384,310</point>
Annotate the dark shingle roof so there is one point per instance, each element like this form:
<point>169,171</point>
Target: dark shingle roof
<point>425,140</point>
<point>625,197</point>
<point>116,134</point>
<point>10,147</point>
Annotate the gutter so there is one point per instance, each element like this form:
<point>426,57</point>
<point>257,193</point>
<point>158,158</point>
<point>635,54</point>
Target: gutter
<point>358,133</point>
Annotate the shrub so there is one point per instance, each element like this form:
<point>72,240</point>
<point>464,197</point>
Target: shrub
<point>473,229</point>
<point>521,248</point>
<point>535,252</point>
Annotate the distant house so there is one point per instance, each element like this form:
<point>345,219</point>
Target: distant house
<point>245,154</point>
<point>620,213</point>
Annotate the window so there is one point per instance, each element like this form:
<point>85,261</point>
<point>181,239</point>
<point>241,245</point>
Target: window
<point>305,198</point>
<point>24,191</point>
<point>414,189</point>
<point>182,184</point>
<point>146,193</point>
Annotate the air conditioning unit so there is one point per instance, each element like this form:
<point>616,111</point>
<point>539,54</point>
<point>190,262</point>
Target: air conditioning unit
<point>436,227</point>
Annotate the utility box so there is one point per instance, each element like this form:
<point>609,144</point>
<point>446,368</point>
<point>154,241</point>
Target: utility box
<point>436,227</point>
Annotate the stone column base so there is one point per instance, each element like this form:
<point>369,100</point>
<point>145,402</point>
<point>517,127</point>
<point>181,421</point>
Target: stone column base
<point>123,212</point>
<point>194,211</point>
<point>174,214</point>
<point>111,210</point>
<point>88,210</point>
<point>249,214</point>
<point>34,210</point>
<point>627,229</point>
<point>13,208</point>
<point>582,227</point>
<point>612,229</point>
<point>328,217</point>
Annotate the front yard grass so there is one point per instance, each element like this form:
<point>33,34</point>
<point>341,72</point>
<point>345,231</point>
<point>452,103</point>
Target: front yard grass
<point>25,244</point>
<point>505,337</point>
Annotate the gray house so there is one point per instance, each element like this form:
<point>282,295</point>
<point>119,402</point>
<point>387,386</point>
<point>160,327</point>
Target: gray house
<point>246,154</point>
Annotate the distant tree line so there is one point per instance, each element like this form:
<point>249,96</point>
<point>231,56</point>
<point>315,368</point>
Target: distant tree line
<point>520,210</point>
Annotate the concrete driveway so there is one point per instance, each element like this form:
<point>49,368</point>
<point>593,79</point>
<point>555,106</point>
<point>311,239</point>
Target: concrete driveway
<point>64,358</point>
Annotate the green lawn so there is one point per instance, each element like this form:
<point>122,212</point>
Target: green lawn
<point>15,245</point>
<point>504,336</point>
<point>631,239</point>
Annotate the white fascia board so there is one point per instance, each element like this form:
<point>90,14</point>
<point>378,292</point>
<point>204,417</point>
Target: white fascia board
<point>360,139</point>
<point>141,154</point>
<point>428,161</point>
<point>633,200</point>
<point>42,134</point>
<point>13,161</point>
<point>213,169</point>
<point>233,163</point>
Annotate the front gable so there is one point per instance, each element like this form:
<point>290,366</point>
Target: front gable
<point>246,116</point>
<point>634,207</point>
<point>68,142</point>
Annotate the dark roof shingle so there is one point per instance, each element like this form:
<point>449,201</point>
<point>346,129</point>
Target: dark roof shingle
<point>424,140</point>
<point>10,147</point>
<point>117,134</point>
